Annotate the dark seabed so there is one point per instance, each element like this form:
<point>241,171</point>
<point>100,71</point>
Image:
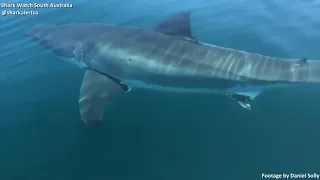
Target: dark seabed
<point>159,136</point>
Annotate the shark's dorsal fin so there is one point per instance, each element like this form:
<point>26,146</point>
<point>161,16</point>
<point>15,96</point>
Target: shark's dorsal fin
<point>300,62</point>
<point>303,60</point>
<point>177,25</point>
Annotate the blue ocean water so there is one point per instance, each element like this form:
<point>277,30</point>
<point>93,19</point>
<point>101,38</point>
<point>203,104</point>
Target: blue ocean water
<point>159,136</point>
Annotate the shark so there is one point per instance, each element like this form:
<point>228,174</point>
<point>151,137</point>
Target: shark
<point>167,58</point>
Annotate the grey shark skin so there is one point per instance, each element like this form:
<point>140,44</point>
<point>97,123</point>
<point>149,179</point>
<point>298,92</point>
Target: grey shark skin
<point>118,59</point>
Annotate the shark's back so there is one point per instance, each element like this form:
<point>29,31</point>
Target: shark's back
<point>175,56</point>
<point>171,55</point>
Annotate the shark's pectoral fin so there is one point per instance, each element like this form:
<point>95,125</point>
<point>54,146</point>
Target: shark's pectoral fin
<point>96,93</point>
<point>177,25</point>
<point>244,99</point>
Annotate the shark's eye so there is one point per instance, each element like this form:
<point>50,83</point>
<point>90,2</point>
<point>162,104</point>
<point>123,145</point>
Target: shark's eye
<point>81,52</point>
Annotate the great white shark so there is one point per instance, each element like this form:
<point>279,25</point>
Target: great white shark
<point>168,58</point>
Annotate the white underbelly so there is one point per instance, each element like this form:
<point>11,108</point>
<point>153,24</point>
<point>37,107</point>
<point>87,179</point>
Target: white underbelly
<point>251,90</point>
<point>135,84</point>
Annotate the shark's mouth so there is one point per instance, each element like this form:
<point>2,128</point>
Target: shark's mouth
<point>77,63</point>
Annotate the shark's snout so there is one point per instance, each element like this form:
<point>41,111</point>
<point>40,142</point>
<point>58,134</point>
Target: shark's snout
<point>58,41</point>
<point>39,32</point>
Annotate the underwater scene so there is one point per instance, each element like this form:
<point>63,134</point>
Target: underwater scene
<point>159,90</point>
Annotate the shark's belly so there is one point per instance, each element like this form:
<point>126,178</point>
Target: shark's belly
<point>137,84</point>
<point>251,90</point>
